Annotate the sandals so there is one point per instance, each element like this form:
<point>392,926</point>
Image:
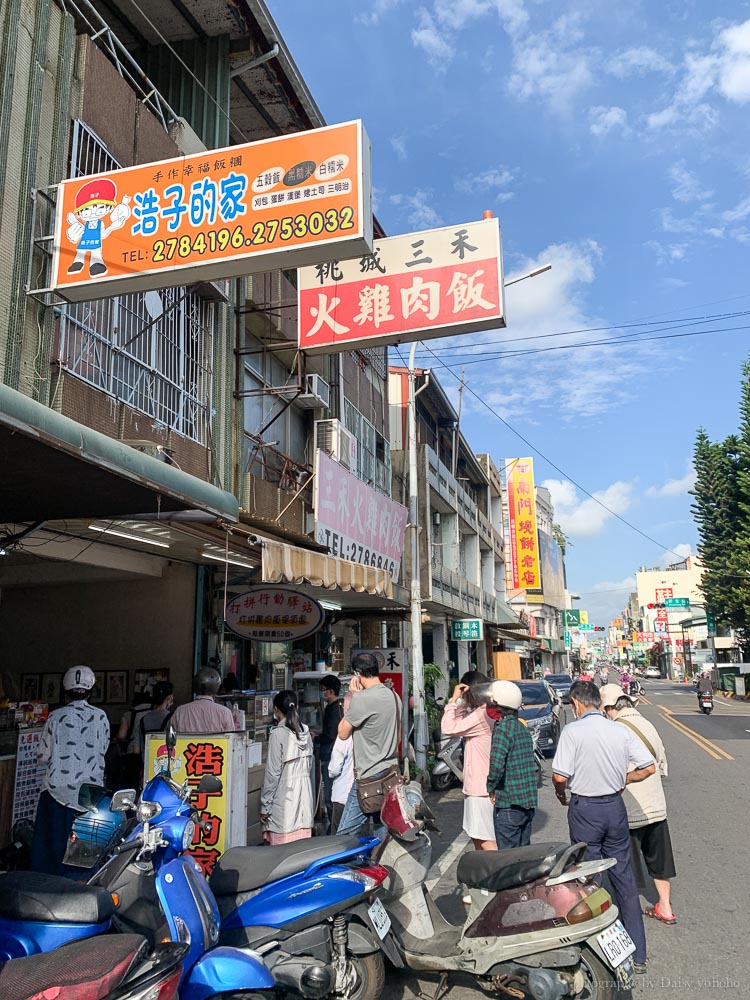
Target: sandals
<point>654,913</point>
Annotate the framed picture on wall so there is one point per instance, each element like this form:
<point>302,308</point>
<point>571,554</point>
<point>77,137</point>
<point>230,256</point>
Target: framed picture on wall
<point>117,687</point>
<point>30,684</point>
<point>51,689</point>
<point>97,692</point>
<point>145,680</point>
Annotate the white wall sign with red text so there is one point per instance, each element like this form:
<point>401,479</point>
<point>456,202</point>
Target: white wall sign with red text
<point>432,284</point>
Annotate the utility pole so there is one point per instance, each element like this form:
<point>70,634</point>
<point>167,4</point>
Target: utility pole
<point>415,631</point>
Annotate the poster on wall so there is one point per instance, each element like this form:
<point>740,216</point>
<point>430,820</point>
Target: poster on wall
<point>29,775</point>
<point>195,756</point>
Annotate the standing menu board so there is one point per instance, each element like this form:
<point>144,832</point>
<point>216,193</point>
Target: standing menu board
<point>29,775</point>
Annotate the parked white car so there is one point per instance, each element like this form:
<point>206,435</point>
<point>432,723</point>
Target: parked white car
<point>653,672</point>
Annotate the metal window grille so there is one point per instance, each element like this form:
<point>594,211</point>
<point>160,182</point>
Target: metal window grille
<point>151,350</point>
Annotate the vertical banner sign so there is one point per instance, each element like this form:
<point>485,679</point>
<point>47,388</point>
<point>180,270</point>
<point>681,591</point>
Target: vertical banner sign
<point>218,214</point>
<point>436,283</point>
<point>522,529</point>
<point>195,756</point>
<point>391,664</point>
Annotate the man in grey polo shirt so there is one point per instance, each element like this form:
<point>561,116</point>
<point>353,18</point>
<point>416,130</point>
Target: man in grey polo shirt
<point>595,759</point>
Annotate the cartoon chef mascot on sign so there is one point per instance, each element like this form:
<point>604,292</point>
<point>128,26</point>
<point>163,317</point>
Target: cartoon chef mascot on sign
<point>95,201</point>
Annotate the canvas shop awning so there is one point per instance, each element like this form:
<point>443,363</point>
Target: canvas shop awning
<point>55,468</point>
<point>290,564</point>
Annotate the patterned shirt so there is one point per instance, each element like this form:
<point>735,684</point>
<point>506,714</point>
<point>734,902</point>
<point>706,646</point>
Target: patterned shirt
<point>512,776</point>
<point>74,742</point>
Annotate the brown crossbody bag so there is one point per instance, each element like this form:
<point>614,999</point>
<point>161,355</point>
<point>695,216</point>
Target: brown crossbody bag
<point>641,737</point>
<point>371,792</point>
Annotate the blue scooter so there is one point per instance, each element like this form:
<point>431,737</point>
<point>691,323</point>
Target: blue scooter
<point>39,913</point>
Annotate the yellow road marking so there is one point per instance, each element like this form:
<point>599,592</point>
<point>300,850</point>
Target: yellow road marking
<point>701,741</point>
<point>645,700</point>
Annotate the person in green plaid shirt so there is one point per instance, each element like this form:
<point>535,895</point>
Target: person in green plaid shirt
<point>512,778</point>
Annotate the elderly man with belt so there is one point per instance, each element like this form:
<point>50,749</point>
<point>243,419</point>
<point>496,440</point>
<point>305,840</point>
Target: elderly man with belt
<point>595,759</point>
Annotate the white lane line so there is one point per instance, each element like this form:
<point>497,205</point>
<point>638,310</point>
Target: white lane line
<point>446,861</point>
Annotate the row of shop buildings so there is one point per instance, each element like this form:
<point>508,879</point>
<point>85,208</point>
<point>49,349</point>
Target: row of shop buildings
<point>167,450</point>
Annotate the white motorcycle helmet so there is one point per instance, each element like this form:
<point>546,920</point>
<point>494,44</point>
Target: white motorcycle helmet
<point>506,694</point>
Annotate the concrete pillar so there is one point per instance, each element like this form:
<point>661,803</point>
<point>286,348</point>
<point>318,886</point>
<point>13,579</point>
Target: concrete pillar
<point>463,658</point>
<point>440,656</point>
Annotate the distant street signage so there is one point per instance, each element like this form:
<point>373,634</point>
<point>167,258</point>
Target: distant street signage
<point>677,602</point>
<point>644,637</point>
<point>711,625</point>
<point>584,627</point>
<point>283,202</point>
<point>436,283</point>
<point>661,628</point>
<point>584,616</point>
<point>525,573</point>
<point>467,629</point>
<point>566,638</point>
<point>663,594</point>
<point>571,619</point>
<point>273,614</point>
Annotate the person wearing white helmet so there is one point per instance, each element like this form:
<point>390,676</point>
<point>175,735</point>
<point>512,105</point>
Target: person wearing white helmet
<point>512,778</point>
<point>73,744</point>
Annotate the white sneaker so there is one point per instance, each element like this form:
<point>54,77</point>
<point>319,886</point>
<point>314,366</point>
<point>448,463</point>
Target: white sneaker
<point>467,900</point>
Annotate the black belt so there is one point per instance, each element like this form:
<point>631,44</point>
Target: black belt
<point>597,798</point>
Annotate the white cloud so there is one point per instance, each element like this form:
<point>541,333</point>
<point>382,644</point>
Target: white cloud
<point>428,36</point>
<point>378,8</point>
<point>671,224</point>
<point>673,487</point>
<point>417,209</point>
<point>734,63</point>
<point>687,187</point>
<point>486,181</point>
<point>739,212</point>
<point>602,120</point>
<point>398,144</point>
<point>549,67</point>
<point>638,62</point>
<point>675,554</point>
<point>585,516</point>
<point>668,253</point>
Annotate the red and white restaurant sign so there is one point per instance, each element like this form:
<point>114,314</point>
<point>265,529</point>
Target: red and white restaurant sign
<point>356,522</point>
<point>432,284</point>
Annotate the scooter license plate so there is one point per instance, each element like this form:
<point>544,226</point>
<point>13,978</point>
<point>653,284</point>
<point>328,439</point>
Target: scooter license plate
<point>616,944</point>
<point>380,919</point>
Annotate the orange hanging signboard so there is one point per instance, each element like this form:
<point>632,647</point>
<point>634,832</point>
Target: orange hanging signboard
<point>522,527</point>
<point>213,215</point>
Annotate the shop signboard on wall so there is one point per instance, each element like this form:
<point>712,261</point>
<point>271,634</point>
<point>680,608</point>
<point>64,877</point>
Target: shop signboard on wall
<point>391,665</point>
<point>224,813</point>
<point>522,526</point>
<point>29,775</point>
<point>273,614</point>
<point>283,202</point>
<point>354,521</point>
<point>437,283</point>
<point>467,629</point>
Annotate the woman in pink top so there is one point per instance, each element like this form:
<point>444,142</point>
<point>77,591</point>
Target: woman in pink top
<point>465,716</point>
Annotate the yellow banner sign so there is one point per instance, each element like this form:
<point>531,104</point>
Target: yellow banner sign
<point>218,214</point>
<point>523,539</point>
<point>195,756</point>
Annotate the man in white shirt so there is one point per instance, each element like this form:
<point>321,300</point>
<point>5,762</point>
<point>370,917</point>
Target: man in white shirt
<point>203,715</point>
<point>74,742</point>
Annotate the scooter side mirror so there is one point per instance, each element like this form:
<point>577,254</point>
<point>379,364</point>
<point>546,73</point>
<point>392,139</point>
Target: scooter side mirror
<point>210,784</point>
<point>123,800</point>
<point>171,739</point>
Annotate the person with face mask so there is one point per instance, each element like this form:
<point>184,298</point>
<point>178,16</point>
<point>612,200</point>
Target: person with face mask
<point>594,761</point>
<point>286,800</point>
<point>512,777</point>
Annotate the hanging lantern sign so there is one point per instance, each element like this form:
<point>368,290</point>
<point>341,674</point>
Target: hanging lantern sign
<point>273,614</point>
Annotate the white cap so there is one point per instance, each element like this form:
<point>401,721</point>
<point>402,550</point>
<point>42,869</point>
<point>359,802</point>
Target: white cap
<point>506,694</point>
<point>611,694</point>
<point>79,678</point>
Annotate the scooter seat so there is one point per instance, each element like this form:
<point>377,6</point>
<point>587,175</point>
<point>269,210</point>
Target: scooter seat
<point>52,899</point>
<point>242,869</point>
<point>496,870</point>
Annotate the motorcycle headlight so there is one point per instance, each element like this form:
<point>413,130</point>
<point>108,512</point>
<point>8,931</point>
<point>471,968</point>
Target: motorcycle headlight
<point>188,834</point>
<point>147,810</point>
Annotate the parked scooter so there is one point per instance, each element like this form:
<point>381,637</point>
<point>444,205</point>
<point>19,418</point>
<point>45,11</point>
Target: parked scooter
<point>449,763</point>
<point>539,924</point>
<point>119,968</point>
<point>308,907</point>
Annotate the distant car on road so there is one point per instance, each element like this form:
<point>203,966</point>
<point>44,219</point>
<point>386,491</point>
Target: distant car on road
<point>561,684</point>
<point>541,713</point>
<point>653,672</point>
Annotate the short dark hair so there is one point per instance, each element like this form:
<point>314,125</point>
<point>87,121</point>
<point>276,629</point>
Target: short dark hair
<point>162,690</point>
<point>331,683</point>
<point>474,678</point>
<point>365,664</point>
<point>586,692</point>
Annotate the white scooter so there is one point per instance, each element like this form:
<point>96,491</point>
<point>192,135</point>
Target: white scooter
<point>539,923</point>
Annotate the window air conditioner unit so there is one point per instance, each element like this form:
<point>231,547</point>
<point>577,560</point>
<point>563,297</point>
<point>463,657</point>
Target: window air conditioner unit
<point>316,394</point>
<point>335,440</point>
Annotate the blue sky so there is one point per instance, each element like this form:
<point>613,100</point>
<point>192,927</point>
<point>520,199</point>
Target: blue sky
<point>611,143</point>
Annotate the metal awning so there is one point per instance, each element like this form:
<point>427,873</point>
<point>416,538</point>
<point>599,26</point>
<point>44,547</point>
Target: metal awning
<point>290,564</point>
<point>507,618</point>
<point>56,468</point>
